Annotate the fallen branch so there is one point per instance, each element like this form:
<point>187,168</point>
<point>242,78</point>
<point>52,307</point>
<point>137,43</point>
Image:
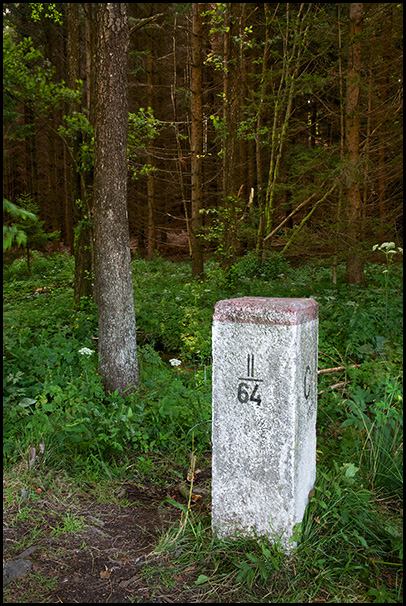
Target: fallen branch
<point>336,386</point>
<point>337,369</point>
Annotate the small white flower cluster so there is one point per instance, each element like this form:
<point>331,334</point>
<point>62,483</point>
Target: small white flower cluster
<point>387,248</point>
<point>85,351</point>
<point>175,362</point>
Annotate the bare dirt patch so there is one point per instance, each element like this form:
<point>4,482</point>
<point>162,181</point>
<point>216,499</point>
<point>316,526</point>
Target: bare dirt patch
<point>89,551</point>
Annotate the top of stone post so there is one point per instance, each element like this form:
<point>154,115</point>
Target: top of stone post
<point>265,310</point>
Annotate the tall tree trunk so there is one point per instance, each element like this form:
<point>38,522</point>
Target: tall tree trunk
<point>387,27</point>
<point>52,194</point>
<point>80,181</point>
<point>367,152</point>
<point>342,149</point>
<point>118,363</point>
<point>73,74</point>
<point>196,142</point>
<point>355,264</point>
<point>232,178</point>
<point>151,235</point>
<point>177,136</point>
<point>258,137</point>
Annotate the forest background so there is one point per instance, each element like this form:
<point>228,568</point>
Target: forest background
<point>267,127</point>
<point>264,156</point>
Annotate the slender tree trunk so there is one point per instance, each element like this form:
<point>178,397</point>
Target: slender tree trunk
<point>28,261</point>
<point>151,238</point>
<point>80,182</point>
<point>355,264</point>
<point>382,186</point>
<point>367,151</point>
<point>73,74</point>
<point>293,50</point>
<point>196,142</point>
<point>258,137</point>
<point>52,197</point>
<point>383,135</point>
<point>177,136</point>
<point>118,363</point>
<point>231,175</point>
<point>342,150</point>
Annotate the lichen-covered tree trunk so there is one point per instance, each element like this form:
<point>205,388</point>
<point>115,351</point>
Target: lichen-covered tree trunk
<point>118,363</point>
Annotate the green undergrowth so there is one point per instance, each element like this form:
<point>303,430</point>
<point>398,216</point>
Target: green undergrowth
<point>349,550</point>
<point>349,543</point>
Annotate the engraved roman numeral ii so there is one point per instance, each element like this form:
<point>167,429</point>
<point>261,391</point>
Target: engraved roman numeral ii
<point>246,392</point>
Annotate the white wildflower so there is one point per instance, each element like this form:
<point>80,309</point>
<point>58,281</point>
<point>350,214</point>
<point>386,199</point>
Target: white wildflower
<point>85,351</point>
<point>175,362</point>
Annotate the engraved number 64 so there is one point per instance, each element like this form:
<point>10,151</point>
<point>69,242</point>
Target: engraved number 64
<point>244,395</point>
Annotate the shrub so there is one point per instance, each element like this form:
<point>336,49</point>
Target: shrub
<point>251,267</point>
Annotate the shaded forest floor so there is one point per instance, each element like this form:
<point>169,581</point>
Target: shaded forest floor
<point>81,549</point>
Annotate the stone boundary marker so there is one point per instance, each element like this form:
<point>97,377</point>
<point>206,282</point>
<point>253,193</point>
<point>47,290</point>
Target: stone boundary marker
<point>264,415</point>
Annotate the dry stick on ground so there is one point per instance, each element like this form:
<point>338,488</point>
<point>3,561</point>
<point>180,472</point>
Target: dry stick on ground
<point>336,369</point>
<point>336,386</point>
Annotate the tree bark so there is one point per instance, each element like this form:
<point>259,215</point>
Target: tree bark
<point>79,211</point>
<point>151,232</point>
<point>355,264</point>
<point>73,74</point>
<point>196,143</point>
<point>118,363</point>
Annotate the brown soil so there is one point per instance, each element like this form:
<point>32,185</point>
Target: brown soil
<point>111,558</point>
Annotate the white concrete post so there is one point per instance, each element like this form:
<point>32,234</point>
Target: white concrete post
<point>264,415</point>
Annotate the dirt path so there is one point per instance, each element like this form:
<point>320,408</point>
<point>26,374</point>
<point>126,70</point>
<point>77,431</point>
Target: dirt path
<point>88,551</point>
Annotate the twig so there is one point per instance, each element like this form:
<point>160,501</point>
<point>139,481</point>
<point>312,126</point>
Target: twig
<point>336,386</point>
<point>326,355</point>
<point>337,368</point>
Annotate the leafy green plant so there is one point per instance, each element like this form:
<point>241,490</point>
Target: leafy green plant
<point>378,417</point>
<point>35,236</point>
<point>14,233</point>
<point>274,266</point>
<point>260,564</point>
<point>142,127</point>
<point>78,131</point>
<point>29,79</point>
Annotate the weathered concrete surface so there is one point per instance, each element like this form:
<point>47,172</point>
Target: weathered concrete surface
<point>264,414</point>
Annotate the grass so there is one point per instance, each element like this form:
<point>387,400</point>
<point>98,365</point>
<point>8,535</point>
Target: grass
<point>344,539</point>
<point>350,541</point>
